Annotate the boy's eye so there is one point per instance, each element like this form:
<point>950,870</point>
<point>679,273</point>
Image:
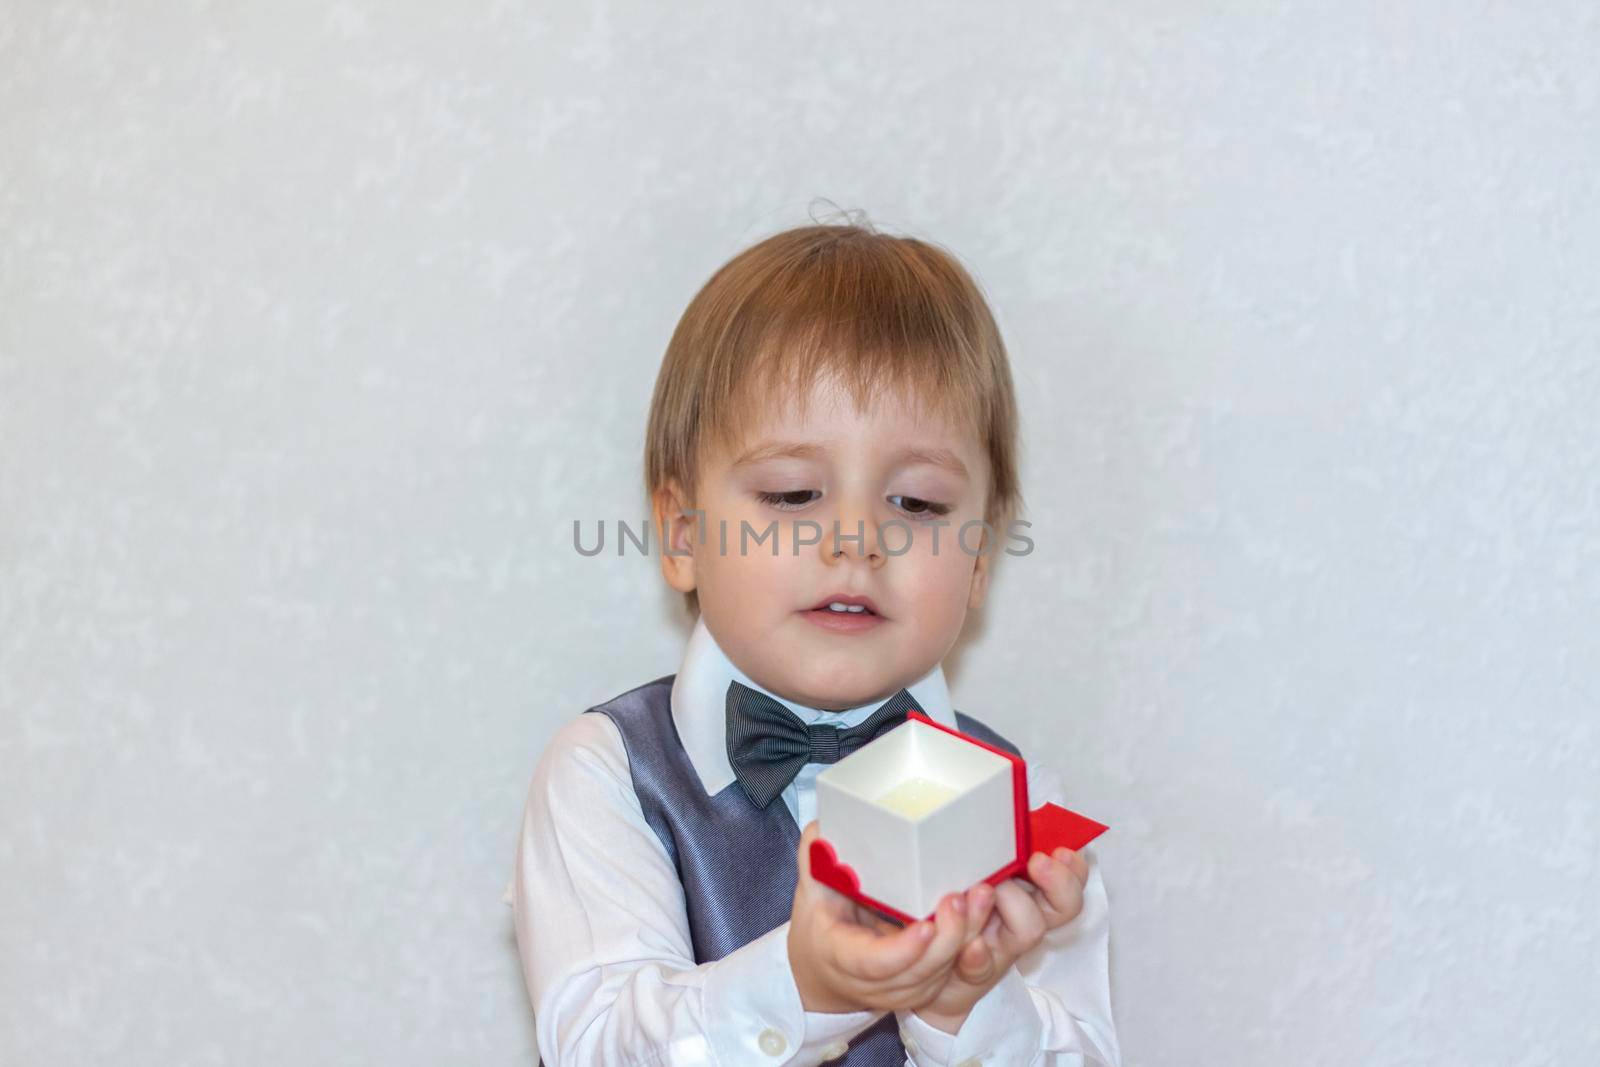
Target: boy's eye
<point>794,498</point>
<point>917,506</point>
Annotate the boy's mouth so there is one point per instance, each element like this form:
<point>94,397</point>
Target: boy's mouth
<point>842,613</point>
<point>840,603</point>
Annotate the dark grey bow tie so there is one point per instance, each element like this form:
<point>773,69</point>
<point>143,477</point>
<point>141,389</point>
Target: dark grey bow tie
<point>768,743</point>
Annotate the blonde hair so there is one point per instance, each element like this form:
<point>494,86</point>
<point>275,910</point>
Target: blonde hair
<point>875,311</point>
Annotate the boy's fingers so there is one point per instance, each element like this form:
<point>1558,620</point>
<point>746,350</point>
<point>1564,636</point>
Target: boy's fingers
<point>1076,861</point>
<point>992,929</point>
<point>869,918</point>
<point>876,957</point>
<point>1066,893</point>
<point>1060,895</point>
<point>971,957</point>
<point>907,957</point>
<point>1022,921</point>
<point>975,961</point>
<point>949,934</point>
<point>980,905</point>
<point>1066,863</point>
<point>1046,874</point>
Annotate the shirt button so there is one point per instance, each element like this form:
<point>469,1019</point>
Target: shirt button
<point>772,1042</point>
<point>835,1050</point>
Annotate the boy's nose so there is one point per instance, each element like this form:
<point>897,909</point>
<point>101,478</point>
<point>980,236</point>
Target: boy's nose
<point>852,538</point>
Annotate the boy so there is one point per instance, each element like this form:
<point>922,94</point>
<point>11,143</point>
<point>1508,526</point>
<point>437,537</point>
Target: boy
<point>832,400</point>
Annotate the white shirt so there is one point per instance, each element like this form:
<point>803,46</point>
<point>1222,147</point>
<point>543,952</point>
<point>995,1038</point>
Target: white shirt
<point>603,933</point>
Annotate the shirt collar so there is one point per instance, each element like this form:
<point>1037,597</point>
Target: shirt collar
<point>699,705</point>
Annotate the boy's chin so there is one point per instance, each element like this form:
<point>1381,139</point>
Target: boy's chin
<point>828,671</point>
<point>834,686</point>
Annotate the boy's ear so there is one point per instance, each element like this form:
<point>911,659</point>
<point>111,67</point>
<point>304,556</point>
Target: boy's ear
<point>678,527</point>
<point>980,576</point>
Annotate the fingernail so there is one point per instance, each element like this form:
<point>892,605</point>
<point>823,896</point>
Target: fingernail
<point>961,904</point>
<point>924,931</point>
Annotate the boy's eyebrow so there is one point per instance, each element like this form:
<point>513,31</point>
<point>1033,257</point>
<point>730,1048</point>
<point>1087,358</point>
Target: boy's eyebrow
<point>938,457</point>
<point>780,450</point>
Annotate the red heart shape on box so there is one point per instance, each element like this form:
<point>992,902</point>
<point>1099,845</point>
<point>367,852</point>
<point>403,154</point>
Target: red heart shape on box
<point>826,868</point>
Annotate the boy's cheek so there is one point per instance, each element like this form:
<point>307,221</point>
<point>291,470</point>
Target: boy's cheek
<point>938,608</point>
<point>946,577</point>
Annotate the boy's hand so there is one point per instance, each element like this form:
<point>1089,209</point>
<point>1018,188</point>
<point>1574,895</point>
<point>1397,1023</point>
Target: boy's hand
<point>1023,912</point>
<point>846,957</point>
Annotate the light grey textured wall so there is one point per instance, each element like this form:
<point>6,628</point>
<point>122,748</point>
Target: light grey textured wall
<point>318,326</point>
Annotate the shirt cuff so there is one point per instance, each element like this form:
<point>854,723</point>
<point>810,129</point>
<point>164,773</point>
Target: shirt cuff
<point>754,1015</point>
<point>1003,1027</point>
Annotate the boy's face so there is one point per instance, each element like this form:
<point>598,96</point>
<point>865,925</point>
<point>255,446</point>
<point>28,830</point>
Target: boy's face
<point>858,471</point>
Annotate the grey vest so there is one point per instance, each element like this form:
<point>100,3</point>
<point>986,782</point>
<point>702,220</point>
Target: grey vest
<point>736,861</point>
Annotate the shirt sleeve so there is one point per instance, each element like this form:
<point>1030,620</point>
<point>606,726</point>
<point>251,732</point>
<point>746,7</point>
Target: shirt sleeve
<point>1053,1007</point>
<point>603,936</point>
